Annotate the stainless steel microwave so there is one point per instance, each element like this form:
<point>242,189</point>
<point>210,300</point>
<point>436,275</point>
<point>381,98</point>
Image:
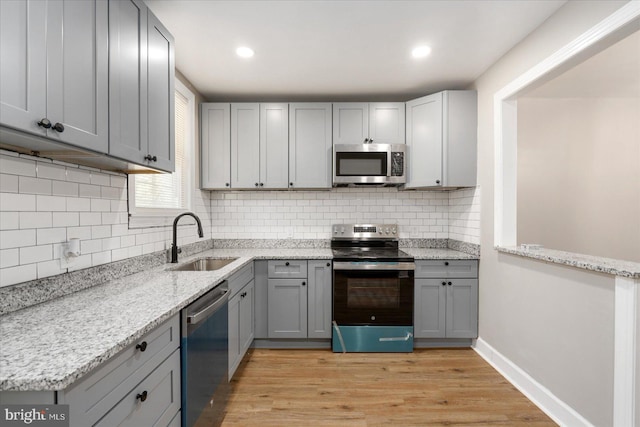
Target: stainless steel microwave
<point>369,164</point>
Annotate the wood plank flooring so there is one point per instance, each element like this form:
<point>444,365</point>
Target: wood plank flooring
<point>427,387</point>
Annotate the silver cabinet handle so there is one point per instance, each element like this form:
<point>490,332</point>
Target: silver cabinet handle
<point>407,338</point>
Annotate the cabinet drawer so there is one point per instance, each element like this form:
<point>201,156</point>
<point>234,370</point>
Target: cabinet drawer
<point>240,279</point>
<point>443,269</point>
<point>161,394</point>
<point>287,269</point>
<point>95,394</point>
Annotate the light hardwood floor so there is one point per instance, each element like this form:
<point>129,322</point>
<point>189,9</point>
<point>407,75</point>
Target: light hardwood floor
<point>427,387</point>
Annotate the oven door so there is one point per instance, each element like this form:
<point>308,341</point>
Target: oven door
<point>371,296</point>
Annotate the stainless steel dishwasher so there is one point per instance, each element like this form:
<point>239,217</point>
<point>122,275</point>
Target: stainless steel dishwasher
<point>205,358</point>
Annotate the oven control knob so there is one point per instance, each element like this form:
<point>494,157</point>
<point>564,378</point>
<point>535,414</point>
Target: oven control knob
<point>386,230</point>
<point>393,231</point>
<point>335,230</point>
<point>342,230</point>
<point>380,231</point>
<point>373,317</point>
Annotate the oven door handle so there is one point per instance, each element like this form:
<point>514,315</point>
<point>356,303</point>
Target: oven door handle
<point>387,266</point>
<point>406,338</point>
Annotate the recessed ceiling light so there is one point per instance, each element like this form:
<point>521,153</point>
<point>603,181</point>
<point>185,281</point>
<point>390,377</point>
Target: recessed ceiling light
<point>244,52</point>
<point>421,51</point>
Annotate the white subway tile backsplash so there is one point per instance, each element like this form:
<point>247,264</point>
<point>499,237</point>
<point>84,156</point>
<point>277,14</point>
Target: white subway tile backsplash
<point>51,171</point>
<point>90,218</point>
<point>98,178</point>
<point>51,203</point>
<point>29,185</point>
<point>100,231</point>
<point>8,183</point>
<point>18,274</point>
<point>76,204</point>
<point>66,219</point>
<point>50,268</point>
<point>17,238</point>
<point>17,166</point>
<point>118,181</point>
<point>63,188</point>
<point>33,254</point>
<point>9,257</point>
<point>78,175</point>
<point>87,190</point>
<point>100,205</point>
<point>17,202</point>
<point>35,220</point>
<point>112,193</point>
<point>90,246</point>
<point>9,220</point>
<point>51,235</point>
<point>82,233</point>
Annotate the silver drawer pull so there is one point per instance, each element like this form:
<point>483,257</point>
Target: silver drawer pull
<point>407,338</point>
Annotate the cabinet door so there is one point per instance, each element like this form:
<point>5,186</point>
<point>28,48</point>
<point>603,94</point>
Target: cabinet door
<point>274,145</point>
<point>310,148</point>
<point>386,122</point>
<point>319,299</point>
<point>23,64</point>
<point>424,141</point>
<point>350,122</point>
<point>78,71</point>
<point>287,308</point>
<point>128,80</point>
<point>429,308</point>
<point>215,150</point>
<point>245,146</point>
<point>462,308</point>
<point>234,334</point>
<point>160,95</point>
<point>246,328</point>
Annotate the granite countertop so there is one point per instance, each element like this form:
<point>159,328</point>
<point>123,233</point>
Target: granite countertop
<point>50,345</point>
<point>586,262</point>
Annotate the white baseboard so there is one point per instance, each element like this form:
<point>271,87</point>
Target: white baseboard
<point>551,405</point>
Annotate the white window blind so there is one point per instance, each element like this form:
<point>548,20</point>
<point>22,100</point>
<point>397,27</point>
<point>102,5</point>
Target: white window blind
<point>168,191</point>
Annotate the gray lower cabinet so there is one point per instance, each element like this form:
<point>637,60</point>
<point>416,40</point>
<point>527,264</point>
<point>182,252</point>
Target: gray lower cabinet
<point>298,299</point>
<point>54,70</point>
<point>446,306</point>
<point>241,315</point>
<point>241,325</point>
<point>140,386</point>
<point>319,299</point>
<point>287,302</point>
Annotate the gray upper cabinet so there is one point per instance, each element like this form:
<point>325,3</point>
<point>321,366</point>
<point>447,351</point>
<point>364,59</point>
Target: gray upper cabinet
<point>310,146</point>
<point>54,77</point>
<point>141,87</point>
<point>358,122</point>
<point>442,138</point>
<point>274,145</point>
<point>215,153</point>
<point>245,145</point>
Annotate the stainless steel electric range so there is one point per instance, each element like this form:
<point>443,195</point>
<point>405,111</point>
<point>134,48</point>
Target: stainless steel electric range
<point>372,290</point>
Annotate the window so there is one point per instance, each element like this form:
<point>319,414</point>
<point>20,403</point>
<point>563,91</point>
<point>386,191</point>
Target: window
<point>155,199</point>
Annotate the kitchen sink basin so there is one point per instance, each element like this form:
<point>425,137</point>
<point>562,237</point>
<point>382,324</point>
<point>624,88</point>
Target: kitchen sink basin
<point>205,264</point>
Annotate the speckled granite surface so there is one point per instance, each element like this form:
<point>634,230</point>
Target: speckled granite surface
<point>270,244</point>
<point>437,253</point>
<point>586,262</point>
<point>50,345</point>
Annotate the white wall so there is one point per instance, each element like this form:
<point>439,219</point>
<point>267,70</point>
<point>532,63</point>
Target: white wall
<point>554,322</point>
<point>579,175</point>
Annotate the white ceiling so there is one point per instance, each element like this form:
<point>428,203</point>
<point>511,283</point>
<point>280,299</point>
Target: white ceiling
<point>342,50</point>
<point>614,72</point>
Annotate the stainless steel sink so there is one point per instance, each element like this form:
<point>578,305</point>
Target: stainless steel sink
<point>205,264</point>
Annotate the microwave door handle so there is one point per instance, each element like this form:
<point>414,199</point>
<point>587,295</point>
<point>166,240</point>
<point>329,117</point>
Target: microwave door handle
<point>389,162</point>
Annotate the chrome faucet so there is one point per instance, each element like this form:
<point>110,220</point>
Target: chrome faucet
<point>174,247</point>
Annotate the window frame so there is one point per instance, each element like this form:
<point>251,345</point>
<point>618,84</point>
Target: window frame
<point>141,217</point>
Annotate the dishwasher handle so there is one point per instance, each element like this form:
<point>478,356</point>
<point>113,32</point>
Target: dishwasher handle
<point>195,318</point>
